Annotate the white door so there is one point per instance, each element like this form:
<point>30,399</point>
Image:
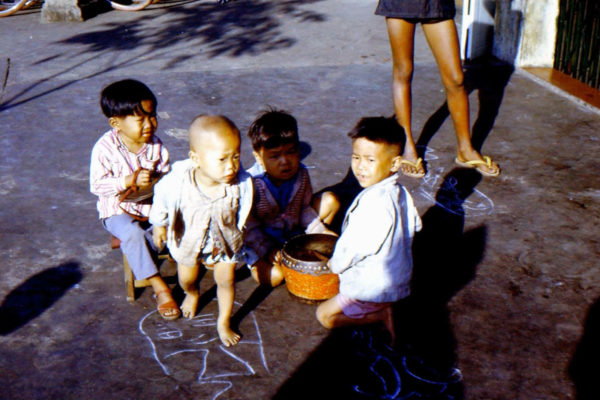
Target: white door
<point>477,30</point>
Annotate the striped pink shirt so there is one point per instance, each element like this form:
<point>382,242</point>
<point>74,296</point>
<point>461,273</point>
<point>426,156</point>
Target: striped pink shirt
<point>112,161</point>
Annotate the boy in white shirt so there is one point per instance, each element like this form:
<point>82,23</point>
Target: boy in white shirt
<point>373,255</point>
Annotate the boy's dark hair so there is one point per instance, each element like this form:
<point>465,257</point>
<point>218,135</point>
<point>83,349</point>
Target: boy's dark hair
<point>380,130</point>
<point>125,97</point>
<point>273,128</point>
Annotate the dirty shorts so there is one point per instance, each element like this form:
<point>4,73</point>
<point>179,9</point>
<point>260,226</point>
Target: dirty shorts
<point>245,256</point>
<point>356,308</point>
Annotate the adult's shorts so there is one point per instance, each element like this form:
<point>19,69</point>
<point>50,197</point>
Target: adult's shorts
<point>417,10</point>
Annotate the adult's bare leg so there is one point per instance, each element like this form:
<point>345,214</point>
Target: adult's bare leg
<point>443,41</point>
<point>401,35</point>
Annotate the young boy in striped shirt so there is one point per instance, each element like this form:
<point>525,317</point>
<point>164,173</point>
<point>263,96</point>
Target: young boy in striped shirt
<point>126,162</point>
<point>282,193</point>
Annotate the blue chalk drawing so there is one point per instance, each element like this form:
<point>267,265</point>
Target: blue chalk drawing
<point>390,372</point>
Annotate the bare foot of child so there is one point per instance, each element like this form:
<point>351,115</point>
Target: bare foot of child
<point>227,336</point>
<point>189,305</point>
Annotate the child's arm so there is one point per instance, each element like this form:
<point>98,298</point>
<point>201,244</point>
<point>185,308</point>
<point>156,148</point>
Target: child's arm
<point>149,175</point>
<point>159,213</point>
<point>368,226</point>
<point>309,218</point>
<point>254,236</point>
<point>105,182</point>
<point>159,236</point>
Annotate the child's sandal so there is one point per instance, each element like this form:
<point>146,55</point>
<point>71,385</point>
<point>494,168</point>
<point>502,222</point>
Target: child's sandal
<point>166,309</point>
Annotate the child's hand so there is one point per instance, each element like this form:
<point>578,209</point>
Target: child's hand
<point>330,232</point>
<point>159,236</point>
<point>274,256</point>
<point>143,179</point>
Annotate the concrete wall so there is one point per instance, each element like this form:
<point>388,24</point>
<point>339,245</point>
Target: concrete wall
<point>525,32</point>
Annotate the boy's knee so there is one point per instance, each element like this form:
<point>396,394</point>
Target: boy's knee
<point>327,205</point>
<point>323,317</point>
<point>133,234</point>
<point>330,201</point>
<point>224,281</point>
<point>276,276</point>
<point>267,273</point>
<point>187,276</point>
<point>224,275</point>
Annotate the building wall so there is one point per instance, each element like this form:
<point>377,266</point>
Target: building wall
<point>525,32</point>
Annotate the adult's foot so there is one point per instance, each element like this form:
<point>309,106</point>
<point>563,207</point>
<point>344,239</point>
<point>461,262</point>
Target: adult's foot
<point>483,164</point>
<point>411,164</point>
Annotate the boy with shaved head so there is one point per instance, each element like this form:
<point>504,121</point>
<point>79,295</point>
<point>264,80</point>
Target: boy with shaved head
<point>199,211</point>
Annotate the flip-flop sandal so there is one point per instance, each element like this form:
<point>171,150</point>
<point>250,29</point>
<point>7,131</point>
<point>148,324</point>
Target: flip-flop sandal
<point>417,165</point>
<point>476,164</point>
<point>163,309</point>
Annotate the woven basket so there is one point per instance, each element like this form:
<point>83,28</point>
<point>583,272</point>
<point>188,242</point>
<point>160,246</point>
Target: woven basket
<point>304,260</point>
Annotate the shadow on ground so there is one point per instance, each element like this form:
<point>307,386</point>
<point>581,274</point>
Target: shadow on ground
<point>37,294</point>
<point>584,368</point>
<point>207,29</point>
<point>235,29</point>
<point>489,78</point>
<point>355,363</point>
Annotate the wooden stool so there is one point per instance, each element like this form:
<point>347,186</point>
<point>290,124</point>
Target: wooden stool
<point>130,282</point>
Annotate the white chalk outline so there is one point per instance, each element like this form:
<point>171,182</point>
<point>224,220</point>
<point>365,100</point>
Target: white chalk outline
<point>428,190</point>
<point>202,320</point>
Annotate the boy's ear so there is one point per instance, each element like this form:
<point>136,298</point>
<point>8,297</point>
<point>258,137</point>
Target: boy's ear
<point>193,156</point>
<point>258,158</point>
<point>396,163</point>
<point>113,122</point>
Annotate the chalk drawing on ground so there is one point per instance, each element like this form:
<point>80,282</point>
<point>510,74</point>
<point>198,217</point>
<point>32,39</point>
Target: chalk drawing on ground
<point>77,177</point>
<point>191,353</point>
<point>7,184</point>
<point>178,133</point>
<point>391,375</point>
<point>448,196</point>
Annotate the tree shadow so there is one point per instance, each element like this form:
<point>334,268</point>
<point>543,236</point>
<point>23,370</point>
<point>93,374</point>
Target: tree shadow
<point>584,368</point>
<point>489,77</point>
<point>355,363</point>
<point>207,30</point>
<point>36,294</point>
